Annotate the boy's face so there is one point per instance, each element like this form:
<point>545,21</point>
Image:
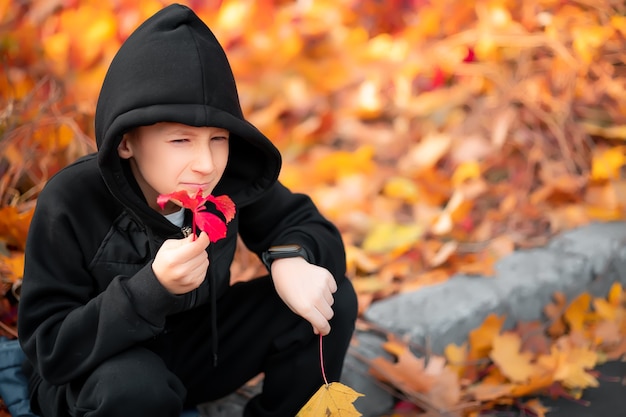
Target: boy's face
<point>167,157</point>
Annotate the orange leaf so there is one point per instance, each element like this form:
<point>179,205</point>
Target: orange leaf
<point>616,294</point>
<point>539,409</point>
<point>481,339</point>
<point>606,164</point>
<point>13,266</point>
<point>489,392</point>
<point>537,382</point>
<point>14,225</point>
<point>338,164</point>
<point>334,399</point>
<point>576,312</point>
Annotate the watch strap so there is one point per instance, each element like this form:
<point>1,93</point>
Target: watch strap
<point>282,252</point>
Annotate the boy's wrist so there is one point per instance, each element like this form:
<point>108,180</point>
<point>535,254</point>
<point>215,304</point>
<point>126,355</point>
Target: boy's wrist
<point>283,252</point>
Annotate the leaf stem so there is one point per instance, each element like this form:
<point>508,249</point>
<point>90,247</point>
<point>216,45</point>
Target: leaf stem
<point>322,362</point>
<point>193,226</point>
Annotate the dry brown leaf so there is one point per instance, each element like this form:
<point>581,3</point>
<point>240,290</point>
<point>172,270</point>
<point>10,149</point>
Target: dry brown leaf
<point>407,373</point>
<point>534,338</point>
<point>554,312</point>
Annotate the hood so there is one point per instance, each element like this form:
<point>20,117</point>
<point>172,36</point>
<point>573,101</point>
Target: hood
<point>173,69</point>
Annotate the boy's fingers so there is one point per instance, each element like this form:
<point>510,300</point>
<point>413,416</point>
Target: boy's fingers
<point>203,239</point>
<point>319,323</point>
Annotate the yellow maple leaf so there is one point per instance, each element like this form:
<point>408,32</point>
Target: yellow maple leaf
<point>334,399</point>
<point>569,365</point>
<point>392,237</point>
<point>457,357</point>
<point>588,41</point>
<point>514,364</point>
<point>606,164</point>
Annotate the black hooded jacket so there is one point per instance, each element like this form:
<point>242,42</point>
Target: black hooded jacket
<point>89,291</point>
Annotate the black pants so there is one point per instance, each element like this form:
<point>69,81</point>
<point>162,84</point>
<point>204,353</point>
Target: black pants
<point>256,333</point>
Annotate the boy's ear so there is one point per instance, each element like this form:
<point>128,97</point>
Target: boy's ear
<point>123,149</point>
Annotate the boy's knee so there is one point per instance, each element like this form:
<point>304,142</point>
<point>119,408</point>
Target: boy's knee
<point>346,305</point>
<point>135,382</point>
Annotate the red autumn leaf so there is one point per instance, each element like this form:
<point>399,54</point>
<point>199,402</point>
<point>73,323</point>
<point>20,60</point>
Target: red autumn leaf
<point>211,224</point>
<point>182,197</point>
<point>225,205</point>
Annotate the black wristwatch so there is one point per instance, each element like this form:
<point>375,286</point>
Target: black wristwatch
<point>282,251</point>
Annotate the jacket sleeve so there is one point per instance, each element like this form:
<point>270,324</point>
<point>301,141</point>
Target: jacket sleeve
<point>281,217</point>
<point>65,326</point>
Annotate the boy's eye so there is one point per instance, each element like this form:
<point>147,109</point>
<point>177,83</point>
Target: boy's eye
<point>219,138</point>
<point>179,140</point>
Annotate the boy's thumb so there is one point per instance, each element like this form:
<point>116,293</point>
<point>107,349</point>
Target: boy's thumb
<point>204,237</point>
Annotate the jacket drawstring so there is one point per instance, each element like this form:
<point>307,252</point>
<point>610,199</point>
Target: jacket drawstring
<point>214,341</point>
<point>213,302</point>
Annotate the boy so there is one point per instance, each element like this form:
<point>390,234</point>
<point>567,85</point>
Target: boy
<point>122,313</point>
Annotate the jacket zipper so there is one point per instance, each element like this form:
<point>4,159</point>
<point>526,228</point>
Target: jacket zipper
<point>186,231</point>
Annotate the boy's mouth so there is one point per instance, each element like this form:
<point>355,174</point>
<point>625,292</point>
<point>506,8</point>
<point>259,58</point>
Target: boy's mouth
<point>192,188</point>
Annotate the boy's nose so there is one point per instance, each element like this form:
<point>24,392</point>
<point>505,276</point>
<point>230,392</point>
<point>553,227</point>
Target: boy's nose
<point>203,161</point>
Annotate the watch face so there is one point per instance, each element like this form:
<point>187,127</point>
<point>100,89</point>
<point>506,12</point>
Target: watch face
<point>284,249</point>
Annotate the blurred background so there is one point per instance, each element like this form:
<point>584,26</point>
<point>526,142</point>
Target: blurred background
<point>438,135</point>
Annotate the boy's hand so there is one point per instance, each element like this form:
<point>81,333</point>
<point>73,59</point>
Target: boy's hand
<point>307,290</point>
<point>180,265</point>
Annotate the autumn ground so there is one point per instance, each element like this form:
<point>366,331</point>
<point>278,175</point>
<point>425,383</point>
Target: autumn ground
<point>439,136</point>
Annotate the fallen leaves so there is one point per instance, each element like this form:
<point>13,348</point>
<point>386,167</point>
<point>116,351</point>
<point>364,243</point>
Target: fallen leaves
<point>497,366</point>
